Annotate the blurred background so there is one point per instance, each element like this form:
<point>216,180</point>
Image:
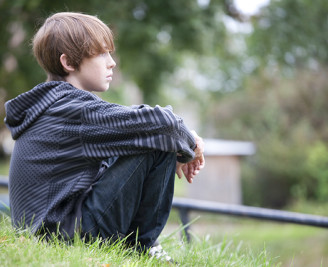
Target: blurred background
<point>252,71</point>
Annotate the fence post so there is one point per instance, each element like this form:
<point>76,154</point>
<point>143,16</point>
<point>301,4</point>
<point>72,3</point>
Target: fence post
<point>184,216</point>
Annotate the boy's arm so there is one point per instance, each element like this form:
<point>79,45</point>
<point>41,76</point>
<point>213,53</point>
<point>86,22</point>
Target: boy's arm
<point>114,130</point>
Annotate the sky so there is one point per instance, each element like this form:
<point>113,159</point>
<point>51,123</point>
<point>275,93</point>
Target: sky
<point>250,7</point>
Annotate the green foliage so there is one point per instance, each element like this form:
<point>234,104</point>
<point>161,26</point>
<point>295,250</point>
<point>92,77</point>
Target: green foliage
<point>317,163</point>
<point>292,33</point>
<point>4,167</point>
<point>281,104</point>
<point>284,117</point>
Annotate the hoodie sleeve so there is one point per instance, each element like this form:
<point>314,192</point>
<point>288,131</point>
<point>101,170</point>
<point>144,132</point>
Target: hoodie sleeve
<point>114,130</point>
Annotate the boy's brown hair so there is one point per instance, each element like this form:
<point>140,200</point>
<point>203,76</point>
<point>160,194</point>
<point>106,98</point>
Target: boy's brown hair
<point>75,34</point>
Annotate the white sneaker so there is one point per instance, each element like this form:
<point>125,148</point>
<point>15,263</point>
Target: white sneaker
<point>159,253</point>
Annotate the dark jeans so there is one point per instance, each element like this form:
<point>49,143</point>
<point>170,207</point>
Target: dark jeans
<point>132,197</point>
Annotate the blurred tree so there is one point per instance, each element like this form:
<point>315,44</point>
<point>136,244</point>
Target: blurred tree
<point>150,36</point>
<point>281,105</point>
<point>289,41</point>
<point>292,33</point>
<point>284,118</point>
<point>317,163</point>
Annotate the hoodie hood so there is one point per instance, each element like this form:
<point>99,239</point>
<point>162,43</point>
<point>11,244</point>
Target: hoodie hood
<point>25,109</point>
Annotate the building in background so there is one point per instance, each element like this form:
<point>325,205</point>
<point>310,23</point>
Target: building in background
<point>220,180</point>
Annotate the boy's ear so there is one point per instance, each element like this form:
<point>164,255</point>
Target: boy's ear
<point>65,63</point>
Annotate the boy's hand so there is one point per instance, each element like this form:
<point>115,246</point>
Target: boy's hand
<point>192,168</point>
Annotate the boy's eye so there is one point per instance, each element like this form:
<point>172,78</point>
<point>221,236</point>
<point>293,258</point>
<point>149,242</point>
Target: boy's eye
<point>104,54</point>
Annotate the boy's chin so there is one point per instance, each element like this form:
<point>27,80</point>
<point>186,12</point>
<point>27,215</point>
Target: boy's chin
<point>100,90</point>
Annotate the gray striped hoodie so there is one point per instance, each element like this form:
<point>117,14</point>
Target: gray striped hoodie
<point>62,135</point>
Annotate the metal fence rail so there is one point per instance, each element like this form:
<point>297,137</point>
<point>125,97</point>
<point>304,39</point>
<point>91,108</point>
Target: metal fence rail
<point>3,183</point>
<point>185,205</point>
<point>251,212</point>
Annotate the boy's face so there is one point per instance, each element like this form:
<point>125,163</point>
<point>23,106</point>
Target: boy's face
<point>95,73</point>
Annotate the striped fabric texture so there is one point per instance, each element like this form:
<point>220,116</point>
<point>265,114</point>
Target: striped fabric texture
<point>62,135</point>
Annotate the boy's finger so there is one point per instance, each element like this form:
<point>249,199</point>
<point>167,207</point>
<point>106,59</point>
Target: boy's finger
<point>179,172</point>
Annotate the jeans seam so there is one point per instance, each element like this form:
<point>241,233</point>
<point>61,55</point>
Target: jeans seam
<point>161,199</point>
<point>113,201</point>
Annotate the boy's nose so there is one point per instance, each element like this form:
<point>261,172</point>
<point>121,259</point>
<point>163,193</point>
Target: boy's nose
<point>111,62</point>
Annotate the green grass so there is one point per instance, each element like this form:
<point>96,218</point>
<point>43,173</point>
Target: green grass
<point>286,244</point>
<point>19,248</point>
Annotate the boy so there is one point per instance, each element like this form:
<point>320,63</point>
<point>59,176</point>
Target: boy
<point>80,163</point>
